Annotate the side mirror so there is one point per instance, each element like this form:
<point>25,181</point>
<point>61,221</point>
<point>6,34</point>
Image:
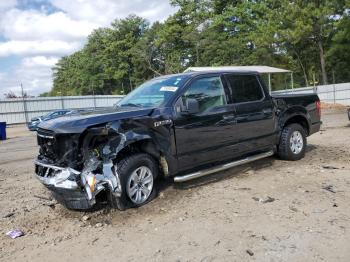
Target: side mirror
<point>192,106</point>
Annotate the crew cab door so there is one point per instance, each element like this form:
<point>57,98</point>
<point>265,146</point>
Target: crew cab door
<point>255,116</point>
<point>203,137</point>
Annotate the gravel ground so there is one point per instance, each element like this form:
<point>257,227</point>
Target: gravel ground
<point>222,217</point>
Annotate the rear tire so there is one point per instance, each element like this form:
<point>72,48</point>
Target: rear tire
<point>293,142</point>
<point>137,175</point>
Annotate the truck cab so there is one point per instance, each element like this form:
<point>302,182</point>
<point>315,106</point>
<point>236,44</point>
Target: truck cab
<point>223,115</point>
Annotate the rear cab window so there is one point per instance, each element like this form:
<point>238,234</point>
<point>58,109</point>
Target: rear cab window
<point>245,88</point>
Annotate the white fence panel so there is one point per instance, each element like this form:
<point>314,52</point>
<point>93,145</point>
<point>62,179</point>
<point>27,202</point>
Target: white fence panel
<point>337,93</point>
<point>17,110</point>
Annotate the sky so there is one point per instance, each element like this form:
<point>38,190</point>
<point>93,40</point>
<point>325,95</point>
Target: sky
<point>34,34</point>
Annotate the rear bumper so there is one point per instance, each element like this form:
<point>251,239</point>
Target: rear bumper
<point>315,128</point>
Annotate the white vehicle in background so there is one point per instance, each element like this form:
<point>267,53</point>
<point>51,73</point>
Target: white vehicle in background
<point>35,121</point>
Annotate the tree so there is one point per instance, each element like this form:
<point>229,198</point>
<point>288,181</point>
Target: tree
<point>338,54</point>
<point>311,38</point>
<point>107,62</point>
<point>11,95</point>
<point>306,27</point>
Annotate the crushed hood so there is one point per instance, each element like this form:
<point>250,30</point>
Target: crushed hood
<point>78,123</point>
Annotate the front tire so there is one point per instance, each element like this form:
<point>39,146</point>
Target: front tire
<point>293,142</point>
<point>137,175</point>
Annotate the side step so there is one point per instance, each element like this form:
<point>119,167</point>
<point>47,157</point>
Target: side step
<point>222,167</point>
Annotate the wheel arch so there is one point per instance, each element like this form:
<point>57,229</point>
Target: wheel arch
<point>122,144</point>
<point>143,145</point>
<point>298,119</point>
<point>149,147</point>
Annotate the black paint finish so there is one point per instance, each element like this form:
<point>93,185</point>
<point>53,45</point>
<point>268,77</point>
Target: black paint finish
<point>185,141</point>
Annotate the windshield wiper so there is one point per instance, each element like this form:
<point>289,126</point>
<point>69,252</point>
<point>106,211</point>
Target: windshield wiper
<point>131,105</point>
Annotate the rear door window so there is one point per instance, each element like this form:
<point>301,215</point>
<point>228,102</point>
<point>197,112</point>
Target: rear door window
<point>245,88</point>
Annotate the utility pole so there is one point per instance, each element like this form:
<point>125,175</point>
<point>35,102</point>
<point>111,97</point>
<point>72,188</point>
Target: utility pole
<point>93,95</point>
<point>333,87</point>
<point>130,83</point>
<point>24,104</point>
<point>314,82</point>
<point>62,101</point>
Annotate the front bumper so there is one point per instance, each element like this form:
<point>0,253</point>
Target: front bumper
<point>75,189</point>
<point>72,199</point>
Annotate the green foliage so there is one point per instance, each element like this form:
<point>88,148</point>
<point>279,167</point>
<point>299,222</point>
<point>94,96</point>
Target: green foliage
<point>304,30</point>
<point>339,51</point>
<point>310,38</point>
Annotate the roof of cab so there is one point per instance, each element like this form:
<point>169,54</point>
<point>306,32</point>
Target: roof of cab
<point>240,69</point>
<point>204,72</point>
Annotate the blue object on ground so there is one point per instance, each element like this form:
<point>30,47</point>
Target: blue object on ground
<point>2,130</point>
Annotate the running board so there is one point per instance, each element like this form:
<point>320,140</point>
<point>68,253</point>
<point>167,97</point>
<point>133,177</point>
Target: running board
<point>222,167</point>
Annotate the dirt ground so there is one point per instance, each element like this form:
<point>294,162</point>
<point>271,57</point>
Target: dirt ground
<point>216,218</point>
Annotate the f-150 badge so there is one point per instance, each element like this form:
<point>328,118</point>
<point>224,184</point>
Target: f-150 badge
<point>163,122</point>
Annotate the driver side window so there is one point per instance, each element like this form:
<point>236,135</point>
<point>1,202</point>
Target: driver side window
<point>209,92</point>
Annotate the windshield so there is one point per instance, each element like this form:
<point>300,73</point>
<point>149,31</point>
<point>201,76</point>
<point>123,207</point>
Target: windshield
<point>47,115</point>
<point>54,114</point>
<point>153,93</point>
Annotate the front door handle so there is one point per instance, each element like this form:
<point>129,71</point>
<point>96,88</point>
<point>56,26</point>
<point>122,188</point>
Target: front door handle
<point>267,111</point>
<point>227,120</point>
<point>229,117</point>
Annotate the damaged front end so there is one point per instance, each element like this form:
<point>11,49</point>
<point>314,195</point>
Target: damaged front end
<point>75,189</point>
<point>78,168</point>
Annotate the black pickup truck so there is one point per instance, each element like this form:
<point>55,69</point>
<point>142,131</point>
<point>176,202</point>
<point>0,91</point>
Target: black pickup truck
<point>182,126</point>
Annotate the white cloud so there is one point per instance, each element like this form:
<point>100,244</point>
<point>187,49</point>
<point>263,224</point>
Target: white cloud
<point>49,47</point>
<point>40,61</point>
<point>105,11</point>
<point>33,72</point>
<point>33,25</point>
<point>2,76</point>
<point>40,37</point>
<point>35,32</point>
<point>7,4</point>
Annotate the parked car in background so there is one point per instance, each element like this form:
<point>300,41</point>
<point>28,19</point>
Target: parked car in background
<point>35,121</point>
